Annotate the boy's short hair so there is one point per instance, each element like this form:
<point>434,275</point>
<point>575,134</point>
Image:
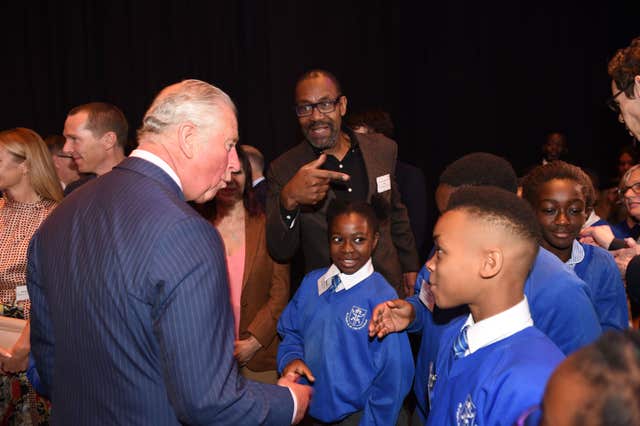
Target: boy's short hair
<point>611,366</point>
<point>500,208</point>
<point>376,212</point>
<point>556,170</point>
<point>480,168</point>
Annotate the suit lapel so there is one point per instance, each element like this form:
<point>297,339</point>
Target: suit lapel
<point>370,163</point>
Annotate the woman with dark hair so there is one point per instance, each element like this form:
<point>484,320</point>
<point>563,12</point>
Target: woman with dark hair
<point>259,286</point>
<point>30,191</point>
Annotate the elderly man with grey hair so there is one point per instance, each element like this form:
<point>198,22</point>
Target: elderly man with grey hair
<point>139,332</point>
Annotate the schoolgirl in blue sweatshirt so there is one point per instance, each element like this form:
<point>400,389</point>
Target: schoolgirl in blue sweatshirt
<point>324,330</point>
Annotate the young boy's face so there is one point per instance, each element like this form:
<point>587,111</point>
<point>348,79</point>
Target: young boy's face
<point>454,265</point>
<point>351,243</point>
<point>561,210</point>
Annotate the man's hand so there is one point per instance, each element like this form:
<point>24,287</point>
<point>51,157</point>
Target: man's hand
<point>390,317</point>
<point>245,349</point>
<point>309,185</point>
<point>601,235</point>
<point>409,282</point>
<point>624,256</point>
<point>296,369</point>
<point>302,394</point>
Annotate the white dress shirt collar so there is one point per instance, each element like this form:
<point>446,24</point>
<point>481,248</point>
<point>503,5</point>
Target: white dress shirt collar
<point>154,159</point>
<point>577,255</point>
<point>346,281</point>
<point>498,327</point>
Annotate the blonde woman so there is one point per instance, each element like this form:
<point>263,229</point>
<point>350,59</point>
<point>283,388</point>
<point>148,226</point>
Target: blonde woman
<point>30,191</point>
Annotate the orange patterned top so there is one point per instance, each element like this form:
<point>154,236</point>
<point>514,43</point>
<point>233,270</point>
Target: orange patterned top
<point>18,222</point>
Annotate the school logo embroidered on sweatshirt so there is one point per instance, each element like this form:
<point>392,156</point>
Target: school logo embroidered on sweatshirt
<point>356,318</point>
<point>466,413</point>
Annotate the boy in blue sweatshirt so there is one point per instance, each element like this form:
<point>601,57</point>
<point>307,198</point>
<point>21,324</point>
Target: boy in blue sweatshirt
<point>562,196</point>
<point>492,364</point>
<point>355,379</point>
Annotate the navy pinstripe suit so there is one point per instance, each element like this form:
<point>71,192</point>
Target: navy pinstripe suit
<point>131,322</point>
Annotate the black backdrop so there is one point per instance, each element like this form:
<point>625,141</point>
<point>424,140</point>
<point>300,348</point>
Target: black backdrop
<point>456,76</point>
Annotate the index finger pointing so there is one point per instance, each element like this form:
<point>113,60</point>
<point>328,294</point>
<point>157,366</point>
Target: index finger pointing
<point>331,175</point>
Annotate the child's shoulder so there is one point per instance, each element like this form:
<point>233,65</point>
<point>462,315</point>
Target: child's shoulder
<point>383,288</point>
<point>596,254</point>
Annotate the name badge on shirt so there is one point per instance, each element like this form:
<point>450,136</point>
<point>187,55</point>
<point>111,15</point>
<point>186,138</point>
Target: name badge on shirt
<point>22,293</point>
<point>426,295</point>
<point>384,183</point>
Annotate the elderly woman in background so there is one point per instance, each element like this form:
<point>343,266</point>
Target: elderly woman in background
<point>30,191</point>
<point>259,286</point>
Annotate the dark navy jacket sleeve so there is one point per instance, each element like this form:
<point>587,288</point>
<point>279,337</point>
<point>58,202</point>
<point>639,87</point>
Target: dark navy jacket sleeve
<point>193,324</point>
<point>42,339</point>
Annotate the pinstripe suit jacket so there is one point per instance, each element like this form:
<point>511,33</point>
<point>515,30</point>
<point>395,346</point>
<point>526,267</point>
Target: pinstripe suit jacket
<point>131,322</point>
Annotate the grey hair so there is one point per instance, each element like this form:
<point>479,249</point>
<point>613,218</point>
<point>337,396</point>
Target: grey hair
<point>627,176</point>
<point>189,100</point>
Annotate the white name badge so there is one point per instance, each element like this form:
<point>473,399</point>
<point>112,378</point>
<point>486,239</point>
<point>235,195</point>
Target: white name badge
<point>22,293</point>
<point>426,295</point>
<point>384,183</point>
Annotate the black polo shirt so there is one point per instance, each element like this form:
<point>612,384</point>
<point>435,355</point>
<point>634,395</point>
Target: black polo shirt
<point>355,189</point>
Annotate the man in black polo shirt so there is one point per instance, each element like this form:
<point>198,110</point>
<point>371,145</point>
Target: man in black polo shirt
<point>333,162</point>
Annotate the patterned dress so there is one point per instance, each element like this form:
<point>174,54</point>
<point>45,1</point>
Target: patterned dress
<point>19,404</point>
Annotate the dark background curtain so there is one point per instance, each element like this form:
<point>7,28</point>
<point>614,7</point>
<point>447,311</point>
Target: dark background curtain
<point>456,76</point>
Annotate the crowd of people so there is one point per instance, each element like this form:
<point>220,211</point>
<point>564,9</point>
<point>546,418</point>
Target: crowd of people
<point>159,288</point>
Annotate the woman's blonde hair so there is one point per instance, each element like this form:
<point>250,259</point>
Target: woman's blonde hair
<point>27,145</point>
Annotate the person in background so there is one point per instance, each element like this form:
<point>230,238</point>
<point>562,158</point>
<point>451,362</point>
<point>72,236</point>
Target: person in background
<point>555,147</point>
<point>30,192</point>
<point>624,70</point>
<point>259,286</point>
<point>66,168</point>
<point>259,182</point>
<point>411,180</point>
<point>96,135</point>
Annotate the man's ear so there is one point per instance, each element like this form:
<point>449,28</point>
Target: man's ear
<point>187,133</point>
<point>492,262</point>
<point>343,105</point>
<point>109,140</point>
<point>636,87</point>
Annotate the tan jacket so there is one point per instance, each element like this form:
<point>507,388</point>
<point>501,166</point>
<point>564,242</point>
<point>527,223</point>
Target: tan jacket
<point>265,293</point>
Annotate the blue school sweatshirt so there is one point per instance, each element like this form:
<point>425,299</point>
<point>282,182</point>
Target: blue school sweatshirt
<point>329,332</point>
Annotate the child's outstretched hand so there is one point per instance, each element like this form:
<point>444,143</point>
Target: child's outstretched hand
<point>298,369</point>
<point>390,317</point>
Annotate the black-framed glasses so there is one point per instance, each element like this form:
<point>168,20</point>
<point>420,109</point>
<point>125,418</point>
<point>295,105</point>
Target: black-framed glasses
<point>635,188</point>
<point>324,107</point>
<point>611,101</point>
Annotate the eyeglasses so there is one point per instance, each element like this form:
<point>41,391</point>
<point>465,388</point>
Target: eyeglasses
<point>324,107</point>
<point>635,188</point>
<point>611,101</point>
<point>530,417</point>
